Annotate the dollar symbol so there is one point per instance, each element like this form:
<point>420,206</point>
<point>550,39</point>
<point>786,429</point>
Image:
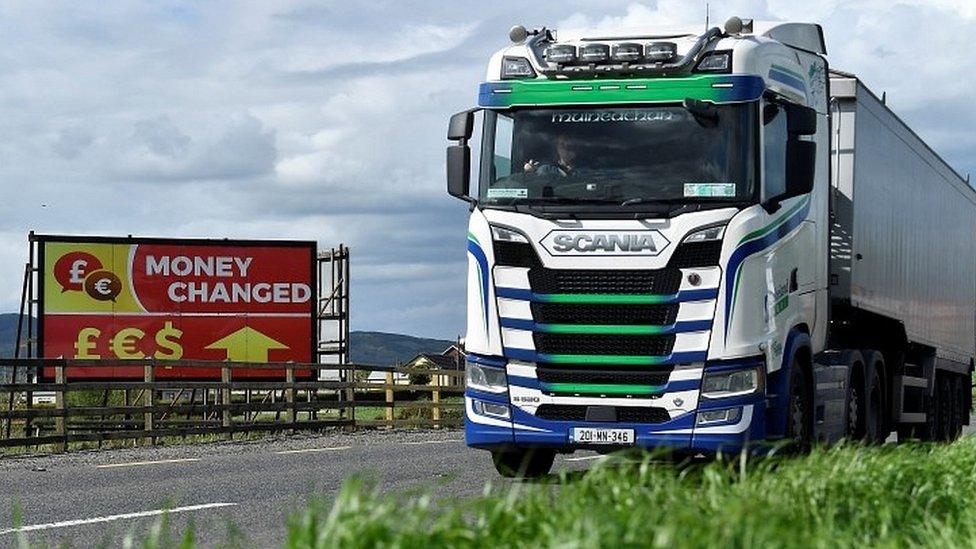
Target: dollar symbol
<point>167,340</point>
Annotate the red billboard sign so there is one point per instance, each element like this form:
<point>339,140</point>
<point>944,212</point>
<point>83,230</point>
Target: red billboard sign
<point>105,298</point>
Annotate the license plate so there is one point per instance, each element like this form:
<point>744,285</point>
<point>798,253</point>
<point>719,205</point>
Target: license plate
<point>590,435</point>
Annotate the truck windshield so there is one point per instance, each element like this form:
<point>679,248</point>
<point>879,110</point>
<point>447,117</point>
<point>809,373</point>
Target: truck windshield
<point>619,155</point>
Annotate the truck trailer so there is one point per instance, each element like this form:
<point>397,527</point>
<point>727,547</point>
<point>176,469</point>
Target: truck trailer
<point>704,242</point>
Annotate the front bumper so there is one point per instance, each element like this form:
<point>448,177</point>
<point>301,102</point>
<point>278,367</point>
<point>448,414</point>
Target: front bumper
<point>680,433</point>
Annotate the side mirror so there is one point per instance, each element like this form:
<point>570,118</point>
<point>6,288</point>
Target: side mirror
<point>459,156</point>
<point>801,156</point>
<point>459,171</point>
<point>460,127</point>
<point>801,166</point>
<point>800,120</point>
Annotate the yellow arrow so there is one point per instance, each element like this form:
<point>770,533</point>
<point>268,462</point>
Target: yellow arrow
<point>247,345</point>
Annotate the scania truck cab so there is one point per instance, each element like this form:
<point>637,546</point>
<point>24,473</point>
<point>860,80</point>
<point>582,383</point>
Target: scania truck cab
<point>648,246</point>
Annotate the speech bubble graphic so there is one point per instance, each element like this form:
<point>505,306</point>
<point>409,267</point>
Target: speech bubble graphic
<point>72,268</point>
<point>103,285</point>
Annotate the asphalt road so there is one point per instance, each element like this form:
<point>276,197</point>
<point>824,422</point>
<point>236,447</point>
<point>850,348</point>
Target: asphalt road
<point>233,493</point>
<point>230,492</point>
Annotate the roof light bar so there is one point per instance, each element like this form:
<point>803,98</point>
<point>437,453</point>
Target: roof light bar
<point>594,53</point>
<point>561,54</point>
<point>661,51</point>
<point>628,52</point>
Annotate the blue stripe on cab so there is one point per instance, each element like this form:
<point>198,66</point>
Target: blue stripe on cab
<point>787,79</point>
<point>754,246</point>
<point>479,255</point>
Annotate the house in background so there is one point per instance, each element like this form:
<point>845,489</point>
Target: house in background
<point>451,358</point>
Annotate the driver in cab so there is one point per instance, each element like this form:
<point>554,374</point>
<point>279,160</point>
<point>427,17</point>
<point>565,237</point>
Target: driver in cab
<point>564,164</point>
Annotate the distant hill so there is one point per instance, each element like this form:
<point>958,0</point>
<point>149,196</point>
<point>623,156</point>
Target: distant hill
<point>8,334</point>
<point>367,347</point>
<point>384,349</point>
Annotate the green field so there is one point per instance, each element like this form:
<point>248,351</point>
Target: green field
<point>893,496</point>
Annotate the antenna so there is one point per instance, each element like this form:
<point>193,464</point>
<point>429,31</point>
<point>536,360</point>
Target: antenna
<point>706,16</point>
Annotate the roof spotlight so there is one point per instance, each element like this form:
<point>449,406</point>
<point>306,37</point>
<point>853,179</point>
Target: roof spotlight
<point>661,51</point>
<point>594,53</point>
<point>561,53</point>
<point>627,51</point>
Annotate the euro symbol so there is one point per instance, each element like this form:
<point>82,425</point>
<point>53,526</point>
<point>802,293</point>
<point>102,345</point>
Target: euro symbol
<point>103,285</point>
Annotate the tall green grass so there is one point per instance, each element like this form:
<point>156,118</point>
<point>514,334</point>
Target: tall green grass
<point>894,496</point>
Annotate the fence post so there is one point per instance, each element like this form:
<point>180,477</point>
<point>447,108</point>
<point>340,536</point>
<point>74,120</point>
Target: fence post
<point>351,399</point>
<point>148,401</point>
<point>435,398</point>
<point>290,395</point>
<point>61,404</point>
<point>388,413</point>
<point>225,399</point>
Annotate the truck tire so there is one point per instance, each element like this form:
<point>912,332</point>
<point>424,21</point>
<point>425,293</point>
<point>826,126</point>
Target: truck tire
<point>944,403</point>
<point>932,429</point>
<point>532,463</point>
<point>799,411</point>
<point>963,388</point>
<point>958,406</point>
<point>855,408</point>
<point>874,409</point>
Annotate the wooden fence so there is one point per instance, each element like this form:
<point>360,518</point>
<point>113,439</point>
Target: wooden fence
<point>347,396</point>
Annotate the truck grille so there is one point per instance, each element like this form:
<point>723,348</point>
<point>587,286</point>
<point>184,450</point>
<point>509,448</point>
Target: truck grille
<point>664,281</point>
<point>625,414</point>
<point>587,344</point>
<point>571,313</point>
<point>604,281</point>
<point>615,376</point>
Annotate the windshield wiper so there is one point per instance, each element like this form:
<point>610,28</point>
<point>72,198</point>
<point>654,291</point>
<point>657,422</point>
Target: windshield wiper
<point>645,200</point>
<point>676,206</point>
<point>563,200</point>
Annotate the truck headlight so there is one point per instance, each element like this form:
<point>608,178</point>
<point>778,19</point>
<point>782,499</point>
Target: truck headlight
<point>708,234</point>
<point>485,378</point>
<point>731,383</point>
<point>504,234</point>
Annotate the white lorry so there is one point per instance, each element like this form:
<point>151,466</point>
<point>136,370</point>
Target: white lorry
<point>705,242</point>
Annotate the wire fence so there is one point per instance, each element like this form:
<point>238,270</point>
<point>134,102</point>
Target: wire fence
<point>84,401</point>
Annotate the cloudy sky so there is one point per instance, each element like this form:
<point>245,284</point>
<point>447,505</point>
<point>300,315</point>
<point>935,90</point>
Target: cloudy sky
<point>326,120</point>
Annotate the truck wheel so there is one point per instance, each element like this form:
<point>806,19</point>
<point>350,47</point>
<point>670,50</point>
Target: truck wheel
<point>962,401</point>
<point>945,407</point>
<point>799,412</point>
<point>523,463</point>
<point>954,421</point>
<point>873,416</point>
<point>855,410</point>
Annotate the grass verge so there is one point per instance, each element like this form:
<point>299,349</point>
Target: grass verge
<point>844,497</point>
